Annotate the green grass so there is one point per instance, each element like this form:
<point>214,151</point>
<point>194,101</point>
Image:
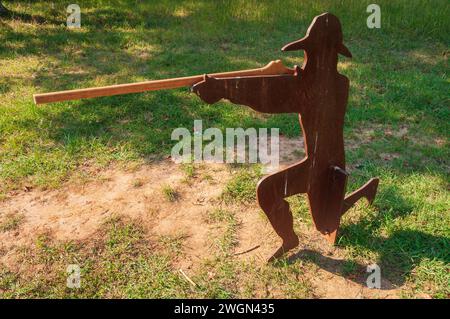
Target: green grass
<point>241,188</point>
<point>10,222</point>
<point>189,170</point>
<point>170,193</point>
<point>228,240</point>
<point>399,78</point>
<point>121,264</point>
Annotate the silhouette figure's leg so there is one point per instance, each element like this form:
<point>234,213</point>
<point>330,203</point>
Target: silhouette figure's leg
<point>368,190</point>
<point>334,202</point>
<point>271,192</point>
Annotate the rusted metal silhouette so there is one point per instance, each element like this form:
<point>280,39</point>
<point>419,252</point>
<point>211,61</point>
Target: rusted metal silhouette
<point>316,91</point>
<point>319,94</point>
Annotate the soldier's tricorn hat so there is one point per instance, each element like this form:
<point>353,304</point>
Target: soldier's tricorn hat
<point>324,32</point>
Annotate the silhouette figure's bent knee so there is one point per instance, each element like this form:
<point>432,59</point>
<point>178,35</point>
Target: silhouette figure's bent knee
<point>276,209</point>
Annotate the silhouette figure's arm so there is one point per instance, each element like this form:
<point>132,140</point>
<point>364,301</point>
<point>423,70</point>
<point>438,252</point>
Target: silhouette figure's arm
<point>267,94</point>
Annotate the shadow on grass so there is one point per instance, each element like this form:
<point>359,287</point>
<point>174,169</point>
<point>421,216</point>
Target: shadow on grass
<point>6,14</point>
<point>176,47</point>
<point>399,253</point>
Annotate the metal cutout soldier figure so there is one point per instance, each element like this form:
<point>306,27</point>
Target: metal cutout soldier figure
<point>318,93</point>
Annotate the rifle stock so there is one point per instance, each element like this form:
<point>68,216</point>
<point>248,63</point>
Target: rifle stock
<point>272,68</point>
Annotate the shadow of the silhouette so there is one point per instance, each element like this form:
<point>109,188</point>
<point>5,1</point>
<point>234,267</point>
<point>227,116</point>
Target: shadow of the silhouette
<point>353,271</point>
<point>398,252</point>
<point>6,14</point>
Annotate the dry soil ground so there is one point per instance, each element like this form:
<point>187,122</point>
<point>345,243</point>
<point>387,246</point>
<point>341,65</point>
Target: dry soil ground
<point>77,210</point>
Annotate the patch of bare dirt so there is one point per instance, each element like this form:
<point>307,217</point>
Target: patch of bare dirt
<point>326,272</point>
<point>76,212</point>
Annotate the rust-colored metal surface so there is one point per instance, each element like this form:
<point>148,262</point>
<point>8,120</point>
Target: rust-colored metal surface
<point>318,93</point>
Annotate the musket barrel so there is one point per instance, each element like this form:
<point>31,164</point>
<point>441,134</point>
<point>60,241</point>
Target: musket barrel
<point>115,90</point>
<point>273,68</point>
